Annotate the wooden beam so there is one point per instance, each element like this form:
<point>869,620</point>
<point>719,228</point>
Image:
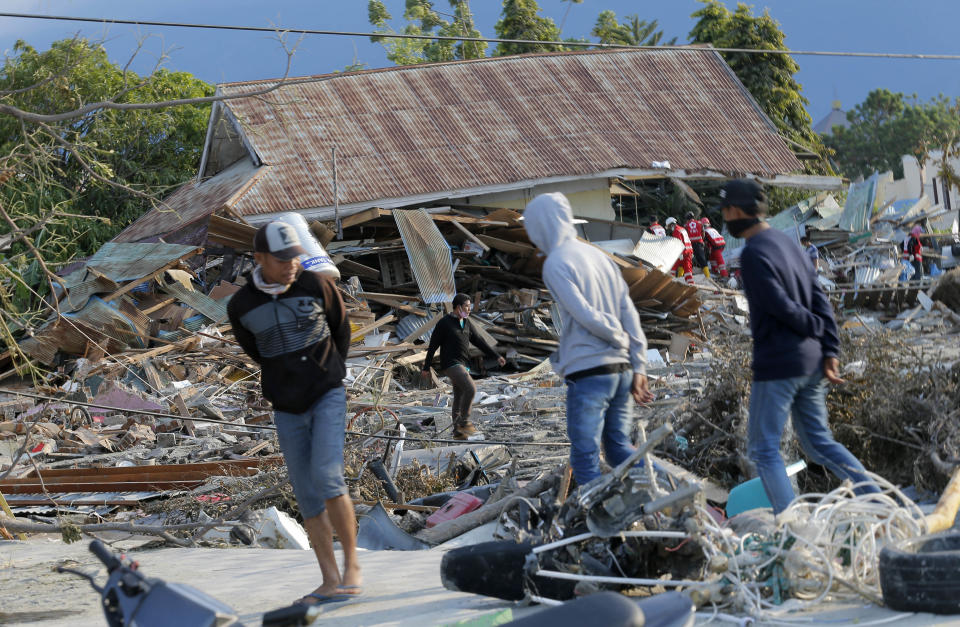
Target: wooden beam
<point>376,324</point>
<point>417,334</point>
<point>513,248</point>
<point>364,216</point>
<point>349,266</point>
<point>470,236</point>
<point>392,301</point>
<point>439,217</point>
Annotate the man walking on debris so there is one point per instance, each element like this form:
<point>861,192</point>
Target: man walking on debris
<point>795,348</point>
<point>602,352</point>
<point>453,336</point>
<point>295,326</point>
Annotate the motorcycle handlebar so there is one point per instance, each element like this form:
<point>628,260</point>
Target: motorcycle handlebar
<point>105,555</point>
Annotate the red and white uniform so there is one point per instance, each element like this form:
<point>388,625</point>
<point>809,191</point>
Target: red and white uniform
<point>694,230</point>
<point>656,229</point>
<point>906,256</point>
<point>914,250</point>
<point>686,259</point>
<point>715,245</point>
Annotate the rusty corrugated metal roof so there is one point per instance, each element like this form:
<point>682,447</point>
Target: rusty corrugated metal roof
<point>407,131</point>
<point>429,254</point>
<point>129,262</point>
<point>194,202</point>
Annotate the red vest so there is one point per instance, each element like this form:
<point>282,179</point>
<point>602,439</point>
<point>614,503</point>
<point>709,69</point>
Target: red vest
<point>656,229</point>
<point>695,230</point>
<point>713,237</point>
<point>681,234</point>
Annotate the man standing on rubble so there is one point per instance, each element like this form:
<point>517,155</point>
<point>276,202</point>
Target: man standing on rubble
<point>602,352</point>
<point>694,229</point>
<point>685,262</point>
<point>294,325</point>
<point>795,348</point>
<point>453,335</point>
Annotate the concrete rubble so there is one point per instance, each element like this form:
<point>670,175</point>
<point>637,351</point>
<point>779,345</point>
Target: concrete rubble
<point>145,418</point>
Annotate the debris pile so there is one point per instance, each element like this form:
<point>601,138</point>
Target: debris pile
<point>147,417</point>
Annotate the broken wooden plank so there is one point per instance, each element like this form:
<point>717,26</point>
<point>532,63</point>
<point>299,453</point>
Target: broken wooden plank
<point>370,327</point>
<point>426,328</point>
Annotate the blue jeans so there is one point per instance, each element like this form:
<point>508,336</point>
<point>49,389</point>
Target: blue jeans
<point>599,409</point>
<point>312,445</point>
<point>805,399</point>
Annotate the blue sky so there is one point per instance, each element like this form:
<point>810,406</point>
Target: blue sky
<point>916,26</point>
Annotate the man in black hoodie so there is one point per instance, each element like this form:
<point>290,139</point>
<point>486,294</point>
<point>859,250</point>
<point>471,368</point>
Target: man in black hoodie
<point>294,325</point>
<point>453,335</point>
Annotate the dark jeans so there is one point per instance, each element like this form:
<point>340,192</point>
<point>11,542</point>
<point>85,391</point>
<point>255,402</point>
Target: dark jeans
<point>699,255</point>
<point>463,392</point>
<point>804,400</point>
<point>599,411</point>
<point>917,270</point>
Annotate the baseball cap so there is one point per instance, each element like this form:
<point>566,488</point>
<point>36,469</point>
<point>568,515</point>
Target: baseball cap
<point>279,239</point>
<point>744,193</point>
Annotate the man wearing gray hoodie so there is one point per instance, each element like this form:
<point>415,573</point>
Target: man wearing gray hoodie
<point>602,352</point>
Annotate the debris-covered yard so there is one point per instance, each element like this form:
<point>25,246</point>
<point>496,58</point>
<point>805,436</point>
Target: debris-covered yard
<point>142,423</point>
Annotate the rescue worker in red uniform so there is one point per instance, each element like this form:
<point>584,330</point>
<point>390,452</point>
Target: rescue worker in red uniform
<point>695,231</point>
<point>685,262</point>
<point>655,227</point>
<point>914,252</point>
<point>715,245</point>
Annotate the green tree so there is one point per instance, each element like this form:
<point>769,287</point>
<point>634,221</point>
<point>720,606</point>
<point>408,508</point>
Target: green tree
<point>768,77</point>
<point>68,164</point>
<point>423,19</point>
<point>632,32</point>
<point>888,125</point>
<point>521,19</point>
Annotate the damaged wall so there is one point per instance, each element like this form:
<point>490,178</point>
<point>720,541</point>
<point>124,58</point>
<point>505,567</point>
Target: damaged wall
<point>588,198</point>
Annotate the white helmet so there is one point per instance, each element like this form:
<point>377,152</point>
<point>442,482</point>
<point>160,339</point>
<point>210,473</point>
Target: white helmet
<point>670,221</point>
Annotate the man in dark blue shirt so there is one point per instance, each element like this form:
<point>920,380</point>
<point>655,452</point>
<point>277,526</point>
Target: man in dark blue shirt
<point>795,348</point>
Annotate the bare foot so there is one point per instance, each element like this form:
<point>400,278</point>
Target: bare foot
<point>352,578</point>
<point>326,591</point>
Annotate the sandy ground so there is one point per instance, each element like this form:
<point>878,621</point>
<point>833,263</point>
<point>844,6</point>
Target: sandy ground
<point>402,588</point>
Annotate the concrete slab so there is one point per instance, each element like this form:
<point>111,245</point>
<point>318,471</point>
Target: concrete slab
<point>402,588</point>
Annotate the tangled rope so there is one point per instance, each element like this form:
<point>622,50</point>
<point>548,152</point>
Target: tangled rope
<point>822,544</point>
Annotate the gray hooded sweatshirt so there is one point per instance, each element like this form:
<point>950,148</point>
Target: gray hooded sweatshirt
<point>600,323</point>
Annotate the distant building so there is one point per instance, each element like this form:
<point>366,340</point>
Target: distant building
<point>836,117</point>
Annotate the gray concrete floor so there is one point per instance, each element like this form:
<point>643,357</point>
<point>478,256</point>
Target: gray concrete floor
<point>402,588</point>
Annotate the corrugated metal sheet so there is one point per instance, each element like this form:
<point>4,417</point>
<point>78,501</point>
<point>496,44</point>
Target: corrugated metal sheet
<point>861,199</point>
<point>128,262</point>
<point>405,131</point>
<point>429,254</point>
<point>659,252</point>
<point>193,203</point>
<point>213,309</point>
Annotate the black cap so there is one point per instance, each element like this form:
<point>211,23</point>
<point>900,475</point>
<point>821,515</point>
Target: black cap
<point>279,239</point>
<point>744,193</point>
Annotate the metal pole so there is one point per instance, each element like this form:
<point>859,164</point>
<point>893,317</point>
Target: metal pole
<point>336,196</point>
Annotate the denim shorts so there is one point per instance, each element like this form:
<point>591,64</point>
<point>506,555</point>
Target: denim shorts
<point>312,445</point>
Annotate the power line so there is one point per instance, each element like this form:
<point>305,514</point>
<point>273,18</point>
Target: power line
<point>583,44</point>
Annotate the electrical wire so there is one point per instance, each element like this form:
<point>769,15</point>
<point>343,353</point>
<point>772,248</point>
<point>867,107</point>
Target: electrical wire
<point>582,44</point>
<point>824,528</point>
